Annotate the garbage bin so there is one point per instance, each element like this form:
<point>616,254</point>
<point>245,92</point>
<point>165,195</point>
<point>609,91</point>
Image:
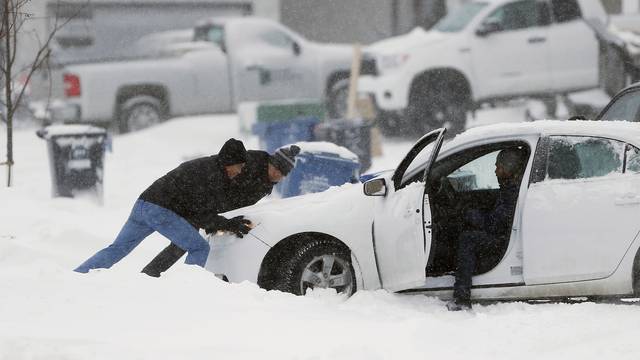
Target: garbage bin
<point>274,134</point>
<point>319,166</point>
<point>76,158</point>
<point>355,135</point>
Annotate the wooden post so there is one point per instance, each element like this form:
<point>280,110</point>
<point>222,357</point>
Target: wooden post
<point>352,111</point>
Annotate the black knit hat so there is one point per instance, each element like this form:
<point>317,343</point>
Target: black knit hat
<point>284,159</point>
<point>232,152</point>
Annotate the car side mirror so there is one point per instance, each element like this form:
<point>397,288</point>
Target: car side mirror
<point>375,187</point>
<point>296,48</point>
<point>488,27</point>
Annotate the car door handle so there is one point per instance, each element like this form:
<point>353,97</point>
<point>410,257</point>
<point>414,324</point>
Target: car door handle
<point>628,199</point>
<point>536,39</point>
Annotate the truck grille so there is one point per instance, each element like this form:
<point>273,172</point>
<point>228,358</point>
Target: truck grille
<point>368,65</point>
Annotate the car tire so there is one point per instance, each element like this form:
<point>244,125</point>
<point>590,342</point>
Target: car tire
<point>337,99</point>
<point>317,263</point>
<point>138,113</point>
<point>431,109</point>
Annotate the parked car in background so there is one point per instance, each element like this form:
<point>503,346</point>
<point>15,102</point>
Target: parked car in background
<point>574,233</point>
<point>624,106</point>
<point>483,51</point>
<point>243,59</point>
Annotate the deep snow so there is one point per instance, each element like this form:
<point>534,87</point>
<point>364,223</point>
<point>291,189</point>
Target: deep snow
<point>49,312</point>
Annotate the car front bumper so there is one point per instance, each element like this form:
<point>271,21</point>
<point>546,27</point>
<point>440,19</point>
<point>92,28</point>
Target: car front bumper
<point>390,92</point>
<point>236,259</point>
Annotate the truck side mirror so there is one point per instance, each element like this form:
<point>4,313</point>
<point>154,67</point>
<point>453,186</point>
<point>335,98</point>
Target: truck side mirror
<point>375,187</point>
<point>488,27</point>
<point>296,48</point>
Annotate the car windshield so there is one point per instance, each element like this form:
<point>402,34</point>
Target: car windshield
<point>626,107</point>
<point>458,19</point>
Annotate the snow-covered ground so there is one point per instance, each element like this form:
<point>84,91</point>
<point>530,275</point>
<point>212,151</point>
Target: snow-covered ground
<point>49,312</point>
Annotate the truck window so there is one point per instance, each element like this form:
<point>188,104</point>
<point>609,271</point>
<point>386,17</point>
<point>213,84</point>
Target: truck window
<point>565,10</point>
<point>457,20</point>
<point>519,15</point>
<point>277,39</point>
<point>210,33</point>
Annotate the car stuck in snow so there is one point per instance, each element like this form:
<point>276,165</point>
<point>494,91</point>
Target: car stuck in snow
<point>574,229</point>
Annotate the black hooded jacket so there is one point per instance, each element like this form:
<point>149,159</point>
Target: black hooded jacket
<point>246,189</point>
<point>198,190</point>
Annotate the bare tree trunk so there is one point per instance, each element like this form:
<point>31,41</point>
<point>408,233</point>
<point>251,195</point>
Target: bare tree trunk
<point>8,87</point>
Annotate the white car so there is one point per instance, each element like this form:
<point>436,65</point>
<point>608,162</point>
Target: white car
<point>574,233</point>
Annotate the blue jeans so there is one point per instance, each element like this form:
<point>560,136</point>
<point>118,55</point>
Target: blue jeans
<point>146,218</point>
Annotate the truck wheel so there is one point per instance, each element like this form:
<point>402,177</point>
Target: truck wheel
<point>319,263</point>
<point>338,98</point>
<point>138,113</point>
<point>430,109</point>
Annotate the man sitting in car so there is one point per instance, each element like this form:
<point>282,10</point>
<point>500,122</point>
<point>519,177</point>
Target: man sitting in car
<point>486,231</point>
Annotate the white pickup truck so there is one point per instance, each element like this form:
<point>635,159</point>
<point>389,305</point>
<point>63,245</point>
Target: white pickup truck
<point>485,50</point>
<point>230,60</point>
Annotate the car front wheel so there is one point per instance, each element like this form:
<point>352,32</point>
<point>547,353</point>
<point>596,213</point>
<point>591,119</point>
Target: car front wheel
<point>318,263</point>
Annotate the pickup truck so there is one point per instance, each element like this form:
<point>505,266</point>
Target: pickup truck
<point>485,50</point>
<point>230,60</point>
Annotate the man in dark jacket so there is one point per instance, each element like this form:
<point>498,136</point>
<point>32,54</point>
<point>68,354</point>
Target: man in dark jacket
<point>261,172</point>
<point>177,204</point>
<point>487,232</point>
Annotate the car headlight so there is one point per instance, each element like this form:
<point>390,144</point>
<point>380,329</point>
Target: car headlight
<point>393,61</point>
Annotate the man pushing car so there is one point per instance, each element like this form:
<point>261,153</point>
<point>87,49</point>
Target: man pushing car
<point>190,197</point>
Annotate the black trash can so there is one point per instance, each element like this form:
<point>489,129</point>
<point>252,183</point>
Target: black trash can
<point>355,135</point>
<point>76,158</point>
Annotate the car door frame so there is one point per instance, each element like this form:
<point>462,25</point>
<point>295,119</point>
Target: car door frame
<point>399,275</point>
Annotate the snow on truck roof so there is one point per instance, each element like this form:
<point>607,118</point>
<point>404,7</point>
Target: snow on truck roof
<point>622,130</point>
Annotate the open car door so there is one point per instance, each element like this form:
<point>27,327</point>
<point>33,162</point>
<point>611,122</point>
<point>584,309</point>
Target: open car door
<point>402,216</point>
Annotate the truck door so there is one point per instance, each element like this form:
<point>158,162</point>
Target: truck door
<point>575,66</point>
<point>510,50</point>
<point>270,63</point>
<point>402,216</point>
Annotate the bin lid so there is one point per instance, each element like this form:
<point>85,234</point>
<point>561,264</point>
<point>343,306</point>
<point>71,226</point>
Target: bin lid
<point>73,129</point>
<point>324,147</point>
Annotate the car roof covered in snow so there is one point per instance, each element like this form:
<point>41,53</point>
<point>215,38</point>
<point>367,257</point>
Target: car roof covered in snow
<point>621,130</point>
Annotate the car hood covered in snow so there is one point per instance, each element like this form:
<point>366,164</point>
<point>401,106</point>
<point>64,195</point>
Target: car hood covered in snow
<point>343,212</point>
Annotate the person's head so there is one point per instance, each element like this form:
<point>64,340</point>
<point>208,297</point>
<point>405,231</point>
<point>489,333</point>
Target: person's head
<point>233,156</point>
<point>509,164</point>
<point>281,162</point>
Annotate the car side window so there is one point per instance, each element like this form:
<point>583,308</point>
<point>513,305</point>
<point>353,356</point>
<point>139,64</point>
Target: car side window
<point>632,164</point>
<point>517,15</point>
<point>626,107</point>
<point>478,174</point>
<point>565,10</point>
<point>582,157</point>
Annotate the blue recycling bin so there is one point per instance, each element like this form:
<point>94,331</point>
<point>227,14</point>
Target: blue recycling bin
<point>318,171</point>
<point>274,134</point>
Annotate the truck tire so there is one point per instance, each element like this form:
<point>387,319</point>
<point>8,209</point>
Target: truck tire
<point>139,112</point>
<point>318,263</point>
<point>338,98</point>
<point>431,108</point>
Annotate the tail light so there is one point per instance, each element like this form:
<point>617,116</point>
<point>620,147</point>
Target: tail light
<point>71,85</point>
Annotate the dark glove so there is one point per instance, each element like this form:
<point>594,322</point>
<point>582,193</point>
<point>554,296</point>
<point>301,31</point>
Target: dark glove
<point>237,225</point>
